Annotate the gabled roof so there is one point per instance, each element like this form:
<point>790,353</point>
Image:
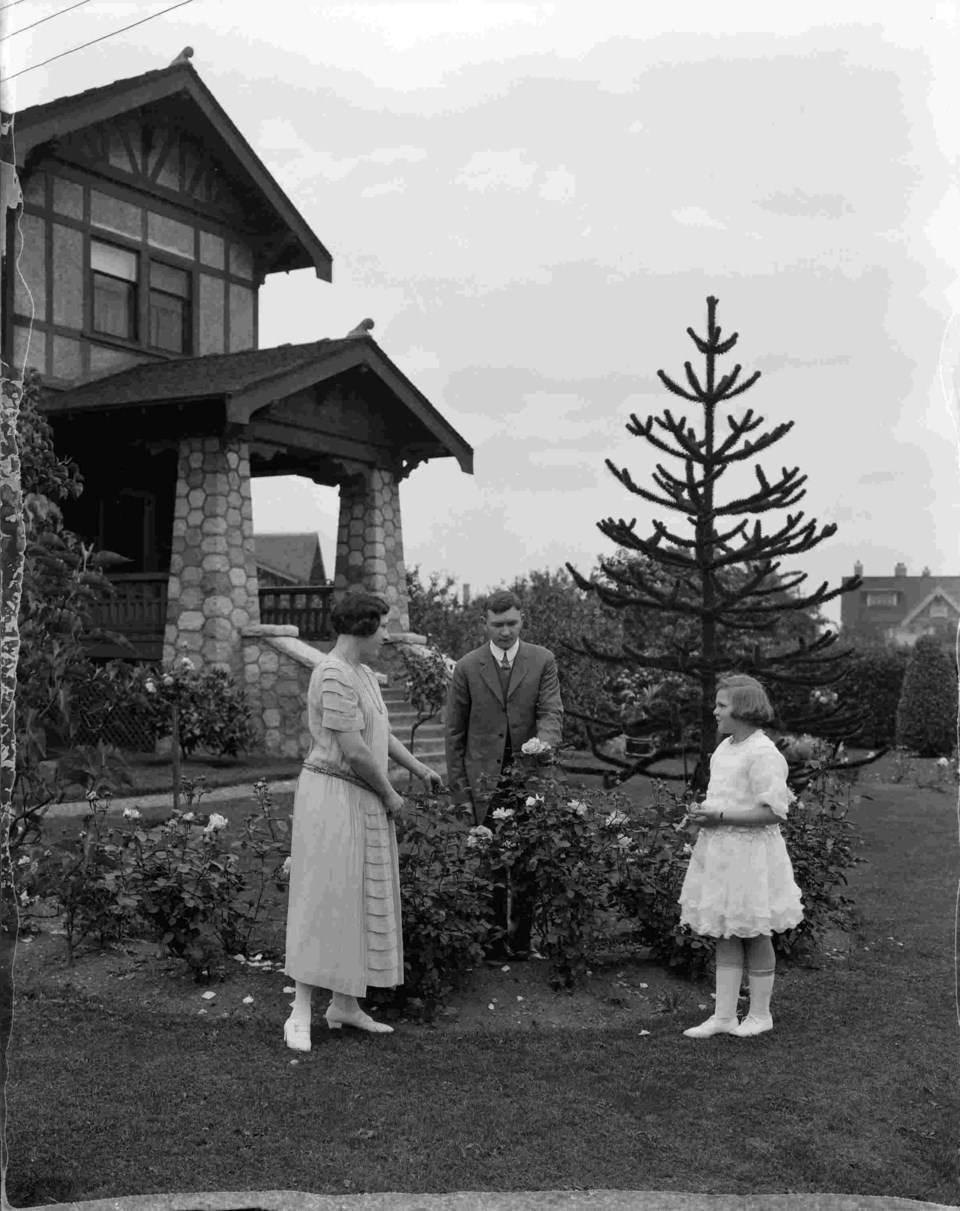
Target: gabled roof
<point>939,591</point>
<point>40,124</point>
<point>294,555</point>
<point>914,592</point>
<point>252,379</point>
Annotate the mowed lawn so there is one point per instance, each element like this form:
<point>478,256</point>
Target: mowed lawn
<point>854,1091</point>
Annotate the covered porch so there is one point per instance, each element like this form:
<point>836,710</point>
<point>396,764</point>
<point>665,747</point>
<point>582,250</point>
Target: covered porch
<point>168,451</point>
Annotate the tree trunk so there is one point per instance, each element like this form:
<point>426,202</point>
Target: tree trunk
<point>175,755</point>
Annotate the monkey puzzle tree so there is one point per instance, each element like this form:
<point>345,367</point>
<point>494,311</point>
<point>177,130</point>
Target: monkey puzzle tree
<point>725,577</point>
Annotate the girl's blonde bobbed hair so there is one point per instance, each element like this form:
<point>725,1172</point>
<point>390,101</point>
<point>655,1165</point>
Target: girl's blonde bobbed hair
<point>748,699</point>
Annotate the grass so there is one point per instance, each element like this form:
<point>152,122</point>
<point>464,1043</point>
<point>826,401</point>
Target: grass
<point>854,1092</point>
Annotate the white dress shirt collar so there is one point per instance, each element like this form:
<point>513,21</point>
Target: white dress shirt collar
<point>511,652</point>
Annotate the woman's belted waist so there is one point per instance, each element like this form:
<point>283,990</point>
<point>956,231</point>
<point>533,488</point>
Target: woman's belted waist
<point>338,773</point>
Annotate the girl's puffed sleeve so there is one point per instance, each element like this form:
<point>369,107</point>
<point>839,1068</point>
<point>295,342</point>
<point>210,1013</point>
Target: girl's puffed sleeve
<point>339,702</point>
<point>768,781</point>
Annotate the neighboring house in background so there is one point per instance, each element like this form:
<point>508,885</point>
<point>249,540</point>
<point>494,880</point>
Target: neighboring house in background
<point>288,559</point>
<point>148,226</point>
<point>901,608</point>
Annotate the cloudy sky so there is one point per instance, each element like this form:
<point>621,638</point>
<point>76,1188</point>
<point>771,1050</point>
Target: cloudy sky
<point>533,202</point>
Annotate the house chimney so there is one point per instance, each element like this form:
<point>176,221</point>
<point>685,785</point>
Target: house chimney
<point>925,572</point>
<point>900,569</point>
<point>858,568</point>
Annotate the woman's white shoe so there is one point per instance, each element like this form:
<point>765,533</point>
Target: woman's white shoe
<point>357,1019</point>
<point>711,1026</point>
<point>296,1033</point>
<point>753,1025</point>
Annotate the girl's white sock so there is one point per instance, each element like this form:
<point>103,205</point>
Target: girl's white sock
<point>729,978</point>
<point>761,987</point>
<point>301,1002</point>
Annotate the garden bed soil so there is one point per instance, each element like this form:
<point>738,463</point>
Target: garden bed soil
<point>624,988</point>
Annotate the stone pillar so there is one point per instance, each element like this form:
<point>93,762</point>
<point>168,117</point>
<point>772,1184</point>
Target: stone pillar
<point>370,542</point>
<point>212,592</point>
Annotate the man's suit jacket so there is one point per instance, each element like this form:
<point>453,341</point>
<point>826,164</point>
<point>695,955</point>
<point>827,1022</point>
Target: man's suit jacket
<point>477,716</point>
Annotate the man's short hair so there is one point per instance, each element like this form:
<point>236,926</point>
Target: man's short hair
<point>358,614</point>
<point>501,601</point>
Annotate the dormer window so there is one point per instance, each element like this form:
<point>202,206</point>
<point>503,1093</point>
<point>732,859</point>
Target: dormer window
<point>882,599</point>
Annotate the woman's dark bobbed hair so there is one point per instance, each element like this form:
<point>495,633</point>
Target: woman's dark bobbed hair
<point>358,614</point>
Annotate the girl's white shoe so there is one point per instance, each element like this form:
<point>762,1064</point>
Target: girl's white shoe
<point>753,1024</point>
<point>359,1020</point>
<point>713,1025</point>
<point>296,1033</point>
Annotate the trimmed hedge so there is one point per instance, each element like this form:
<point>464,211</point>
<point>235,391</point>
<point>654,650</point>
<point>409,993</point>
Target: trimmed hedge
<point>927,713</point>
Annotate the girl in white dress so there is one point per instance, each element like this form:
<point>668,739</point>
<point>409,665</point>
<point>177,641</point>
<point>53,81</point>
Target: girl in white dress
<point>739,887</point>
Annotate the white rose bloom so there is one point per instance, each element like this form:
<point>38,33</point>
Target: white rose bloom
<point>479,835</point>
<point>533,800</point>
<point>503,813</point>
<point>131,813</point>
<point>189,817</point>
<point>215,823</point>
<point>150,687</point>
<point>186,662</point>
<point>943,761</point>
<point>615,819</point>
<point>167,679</point>
<point>534,746</point>
<point>286,865</point>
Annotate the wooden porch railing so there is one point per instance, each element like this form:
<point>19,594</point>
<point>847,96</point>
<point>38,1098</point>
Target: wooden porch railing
<point>138,609</point>
<point>303,606</point>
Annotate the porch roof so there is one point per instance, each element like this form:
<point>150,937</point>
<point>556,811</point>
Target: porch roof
<point>45,123</point>
<point>252,379</point>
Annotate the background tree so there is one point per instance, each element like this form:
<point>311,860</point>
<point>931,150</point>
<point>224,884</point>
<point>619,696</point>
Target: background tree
<point>436,610</point>
<point>724,577</point>
<point>927,714</point>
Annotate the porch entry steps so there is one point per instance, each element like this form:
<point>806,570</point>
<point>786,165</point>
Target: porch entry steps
<point>428,745</point>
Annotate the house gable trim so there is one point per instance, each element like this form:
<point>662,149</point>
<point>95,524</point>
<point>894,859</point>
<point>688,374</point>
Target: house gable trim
<point>113,101</point>
<point>242,405</point>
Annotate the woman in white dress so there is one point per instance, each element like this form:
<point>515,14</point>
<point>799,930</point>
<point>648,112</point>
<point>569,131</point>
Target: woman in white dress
<point>739,887</point>
<point>343,912</point>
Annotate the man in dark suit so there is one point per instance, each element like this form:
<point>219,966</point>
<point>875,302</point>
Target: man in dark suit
<point>503,694</point>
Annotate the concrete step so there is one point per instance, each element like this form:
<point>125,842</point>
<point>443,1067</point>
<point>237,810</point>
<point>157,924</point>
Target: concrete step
<point>402,727</point>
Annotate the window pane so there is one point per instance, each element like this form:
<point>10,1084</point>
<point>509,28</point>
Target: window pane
<point>170,280</point>
<point>114,306</point>
<point>118,262</point>
<point>168,316</point>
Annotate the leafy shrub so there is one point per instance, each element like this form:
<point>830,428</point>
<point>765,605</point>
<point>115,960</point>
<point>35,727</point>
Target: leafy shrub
<point>873,679</point>
<point>173,882</point>
<point>63,580</point>
<point>927,712</point>
<point>213,710</point>
<point>426,680</point>
<point>443,904</point>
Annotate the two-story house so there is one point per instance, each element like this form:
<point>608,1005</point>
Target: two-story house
<point>148,226</point>
<point>901,608</point>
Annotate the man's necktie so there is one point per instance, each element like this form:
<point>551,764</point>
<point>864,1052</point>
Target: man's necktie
<point>504,668</point>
